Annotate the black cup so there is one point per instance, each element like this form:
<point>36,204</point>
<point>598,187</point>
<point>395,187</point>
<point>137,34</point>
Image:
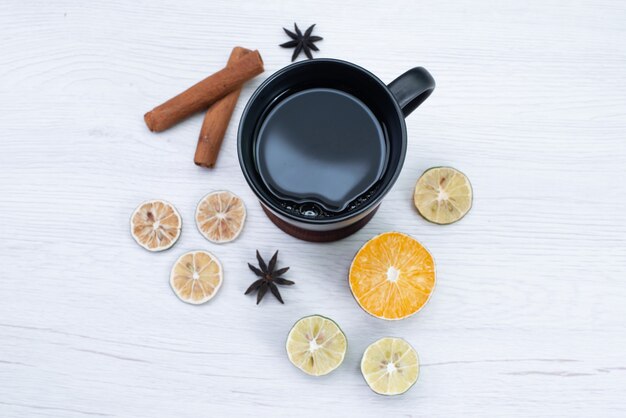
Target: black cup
<point>389,104</point>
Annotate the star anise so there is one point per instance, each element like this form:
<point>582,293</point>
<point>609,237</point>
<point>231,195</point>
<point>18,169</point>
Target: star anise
<point>302,42</point>
<point>269,278</point>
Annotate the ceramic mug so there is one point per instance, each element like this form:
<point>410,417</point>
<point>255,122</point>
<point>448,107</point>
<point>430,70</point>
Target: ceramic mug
<point>389,104</point>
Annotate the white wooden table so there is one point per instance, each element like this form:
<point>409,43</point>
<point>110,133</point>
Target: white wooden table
<point>529,314</point>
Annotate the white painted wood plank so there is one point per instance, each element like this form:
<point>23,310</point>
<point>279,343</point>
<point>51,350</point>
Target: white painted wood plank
<point>528,315</point>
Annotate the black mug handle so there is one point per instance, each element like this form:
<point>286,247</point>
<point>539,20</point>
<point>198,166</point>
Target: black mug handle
<point>412,88</point>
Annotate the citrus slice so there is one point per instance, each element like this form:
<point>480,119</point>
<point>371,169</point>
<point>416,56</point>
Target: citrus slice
<point>392,276</point>
<point>443,195</point>
<point>390,366</point>
<point>316,345</point>
<point>196,277</point>
<point>155,225</point>
<point>220,216</point>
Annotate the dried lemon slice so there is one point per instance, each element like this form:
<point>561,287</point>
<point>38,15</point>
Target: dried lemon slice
<point>220,216</point>
<point>196,277</point>
<point>316,345</point>
<point>155,225</point>
<point>390,366</point>
<point>392,276</point>
<point>443,195</point>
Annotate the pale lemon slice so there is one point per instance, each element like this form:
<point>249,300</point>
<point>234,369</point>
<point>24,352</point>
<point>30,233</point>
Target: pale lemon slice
<point>390,366</point>
<point>196,277</point>
<point>443,195</point>
<point>316,345</point>
<point>155,225</point>
<point>220,216</point>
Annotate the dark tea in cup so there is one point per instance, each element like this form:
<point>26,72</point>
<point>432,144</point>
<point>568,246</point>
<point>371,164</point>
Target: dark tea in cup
<point>320,149</point>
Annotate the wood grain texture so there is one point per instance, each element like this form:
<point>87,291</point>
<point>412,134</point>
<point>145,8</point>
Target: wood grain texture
<point>529,313</point>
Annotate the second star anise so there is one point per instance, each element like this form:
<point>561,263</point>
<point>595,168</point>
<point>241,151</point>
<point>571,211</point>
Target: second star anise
<point>269,278</point>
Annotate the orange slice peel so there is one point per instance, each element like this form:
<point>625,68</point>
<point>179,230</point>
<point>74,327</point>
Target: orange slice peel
<point>392,276</point>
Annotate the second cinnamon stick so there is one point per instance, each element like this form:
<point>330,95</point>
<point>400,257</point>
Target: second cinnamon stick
<point>216,120</point>
<point>203,94</point>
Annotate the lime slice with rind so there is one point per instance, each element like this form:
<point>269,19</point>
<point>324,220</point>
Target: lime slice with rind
<point>316,345</point>
<point>443,195</point>
<point>390,366</point>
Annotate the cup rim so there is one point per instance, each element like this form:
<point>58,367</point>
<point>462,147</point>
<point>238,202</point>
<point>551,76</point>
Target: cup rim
<point>351,214</point>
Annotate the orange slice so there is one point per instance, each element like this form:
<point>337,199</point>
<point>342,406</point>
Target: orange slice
<point>392,276</point>
<point>155,225</point>
<point>196,277</point>
<point>220,216</point>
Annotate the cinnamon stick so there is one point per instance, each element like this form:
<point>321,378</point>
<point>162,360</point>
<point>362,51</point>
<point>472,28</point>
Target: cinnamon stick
<point>216,120</point>
<point>203,94</point>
